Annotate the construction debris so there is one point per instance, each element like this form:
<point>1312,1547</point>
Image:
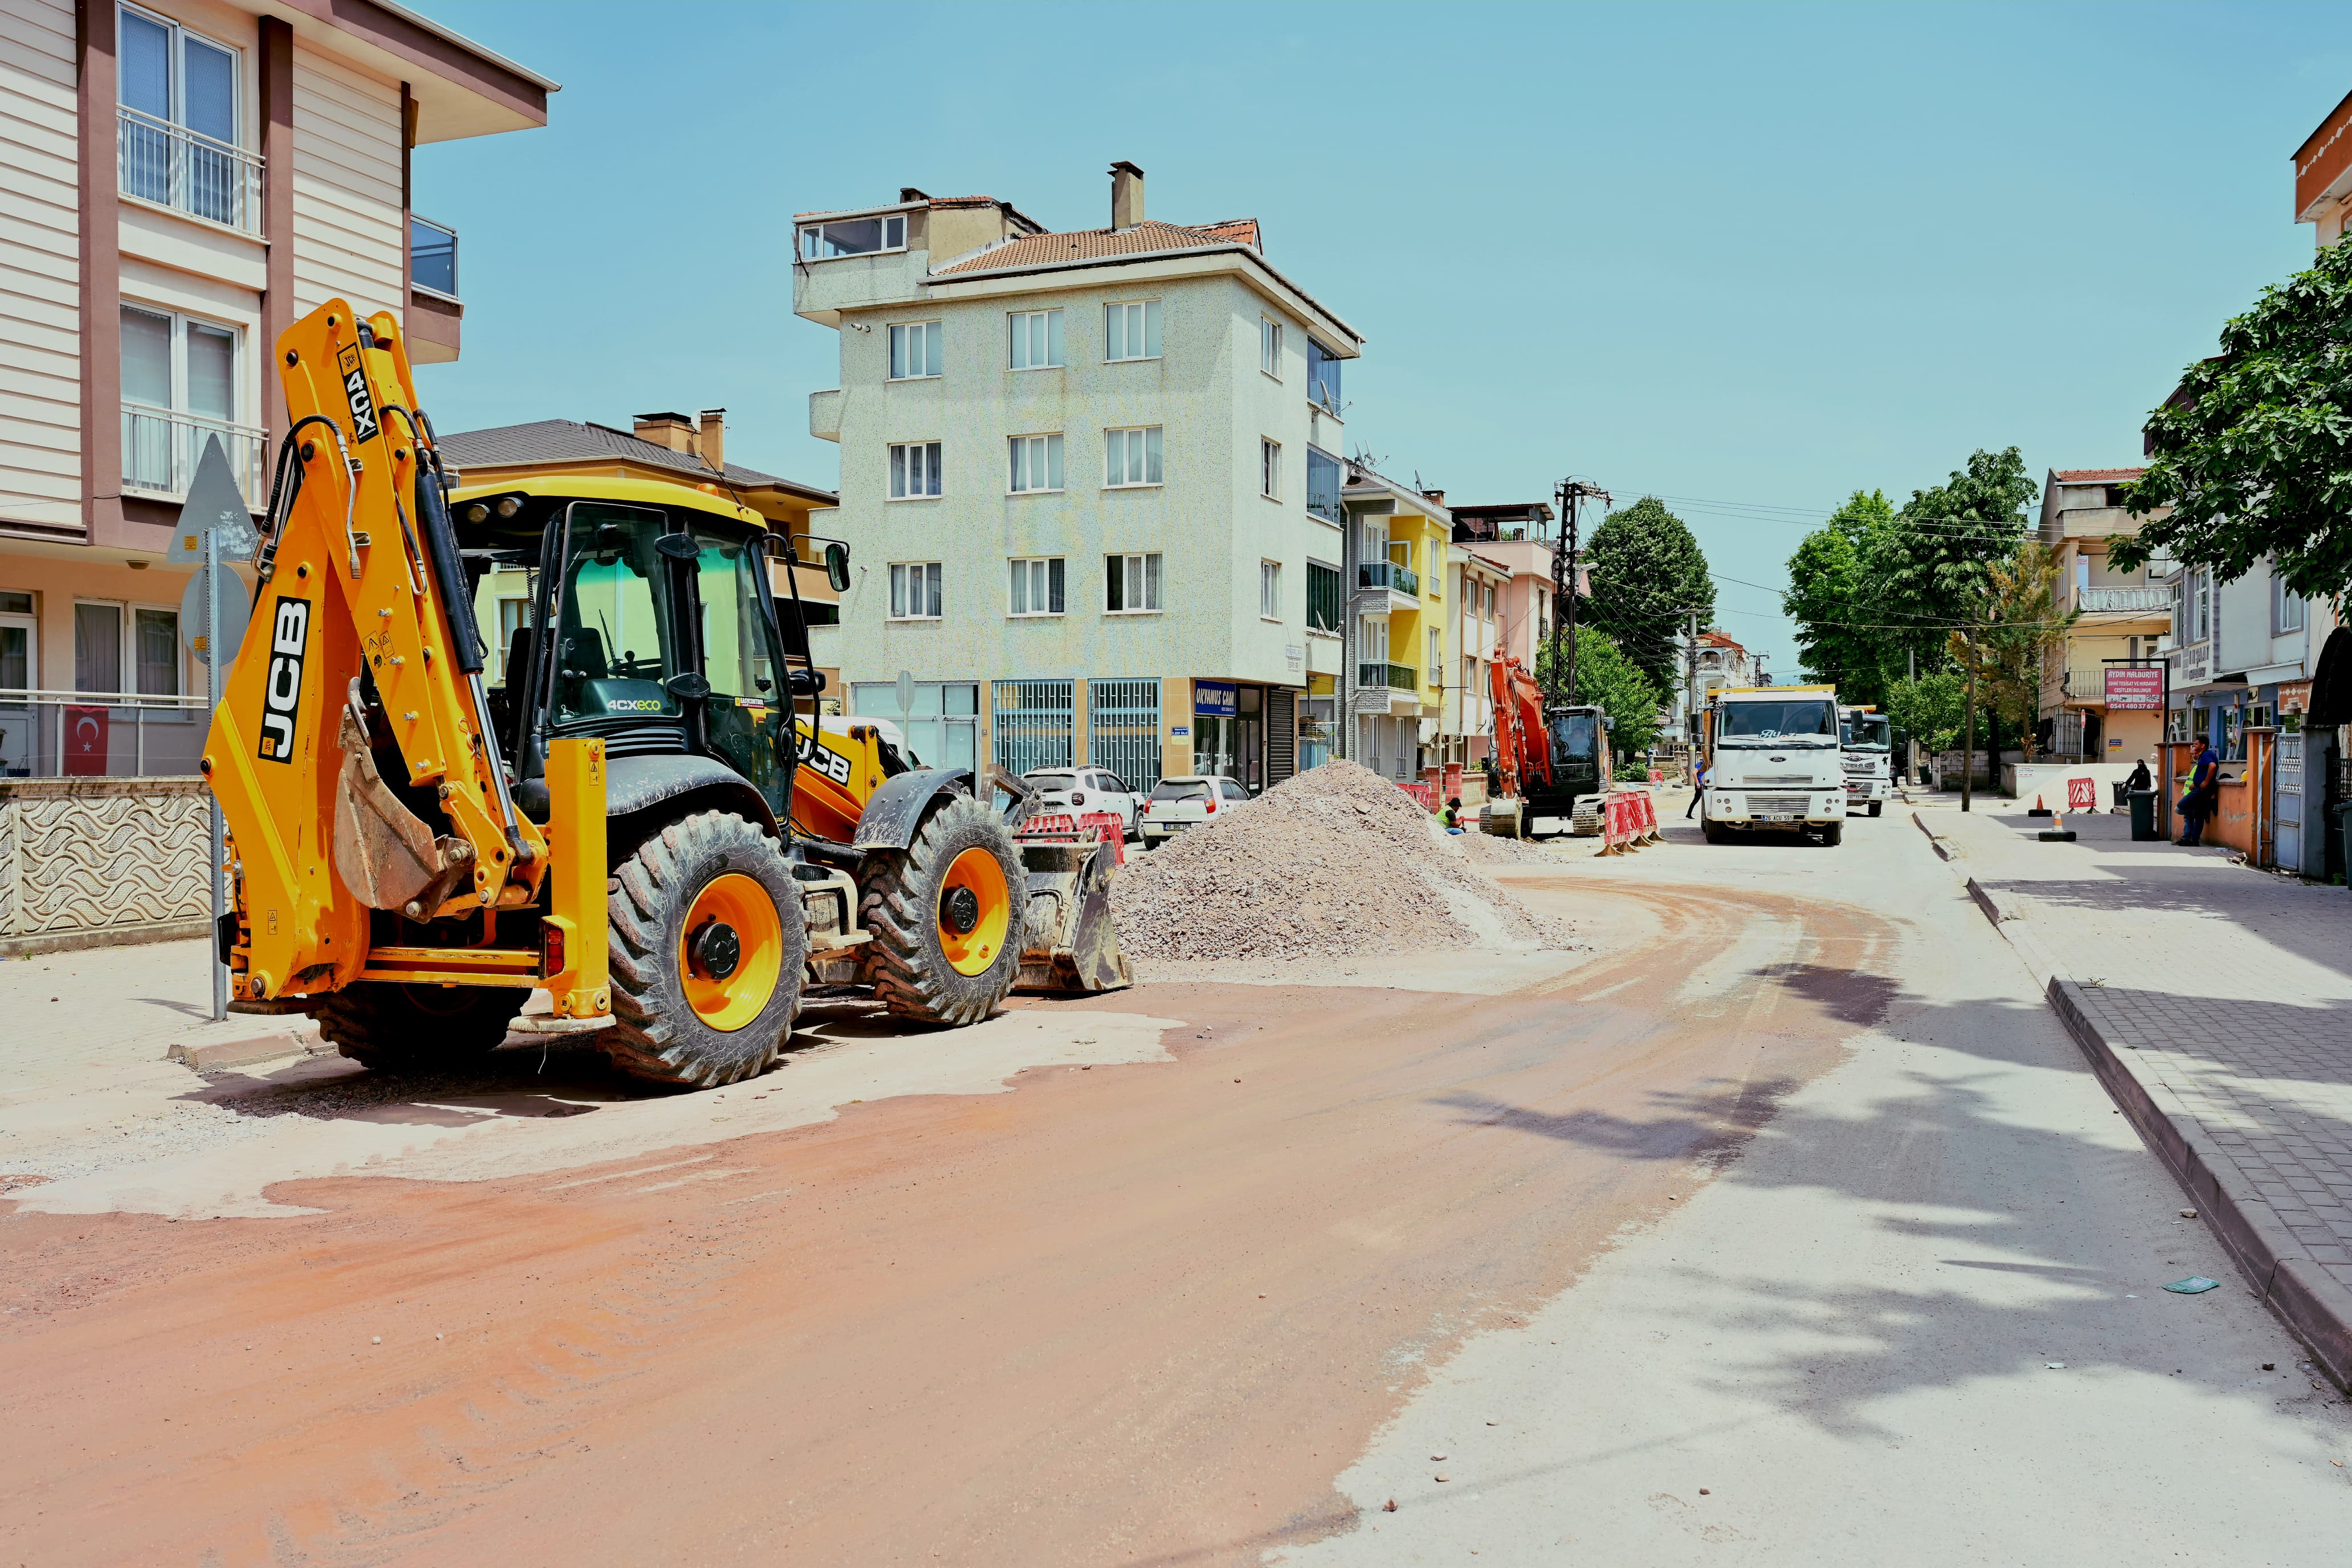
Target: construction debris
<point>1335,862</point>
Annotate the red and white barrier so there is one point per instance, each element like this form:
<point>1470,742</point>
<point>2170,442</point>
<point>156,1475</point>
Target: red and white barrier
<point>1106,827</point>
<point>1629,821</point>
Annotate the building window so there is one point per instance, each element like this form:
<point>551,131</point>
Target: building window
<point>179,388</point>
<point>1323,376</point>
<point>1436,660</point>
<point>1037,463</point>
<point>915,471</point>
<point>2286,607</point>
<point>1269,468</point>
<point>179,121</point>
<point>1269,590</point>
<point>1269,347</point>
<point>513,615</point>
<point>1132,584</point>
<point>1036,340</point>
<point>2202,620</point>
<point>1037,586</point>
<point>915,591</point>
<point>853,236</point>
<point>1372,638</point>
<point>915,351</point>
<point>1131,457</point>
<point>1323,486</point>
<point>1323,597</point>
<point>1131,331</point>
<point>112,639</point>
<point>940,731</point>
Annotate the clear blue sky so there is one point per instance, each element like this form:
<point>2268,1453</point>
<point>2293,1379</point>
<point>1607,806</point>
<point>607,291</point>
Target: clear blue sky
<point>1759,255</point>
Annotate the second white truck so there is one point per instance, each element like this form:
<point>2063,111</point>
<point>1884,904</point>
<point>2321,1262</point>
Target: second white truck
<point>1868,742</point>
<point>1774,763</point>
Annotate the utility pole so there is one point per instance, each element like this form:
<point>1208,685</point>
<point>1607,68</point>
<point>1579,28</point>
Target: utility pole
<point>1690,691</point>
<point>1568,493</point>
<point>1969,728</point>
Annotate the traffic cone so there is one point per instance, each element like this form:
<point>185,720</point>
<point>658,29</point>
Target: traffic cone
<point>2039,809</point>
<point>2058,832</point>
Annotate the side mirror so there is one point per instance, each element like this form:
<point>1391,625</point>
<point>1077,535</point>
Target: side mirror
<point>1607,722</point>
<point>837,566</point>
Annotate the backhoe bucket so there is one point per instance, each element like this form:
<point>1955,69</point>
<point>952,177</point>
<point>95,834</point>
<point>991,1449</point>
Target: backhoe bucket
<point>1068,945</point>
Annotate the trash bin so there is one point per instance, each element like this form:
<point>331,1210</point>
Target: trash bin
<point>2143,810</point>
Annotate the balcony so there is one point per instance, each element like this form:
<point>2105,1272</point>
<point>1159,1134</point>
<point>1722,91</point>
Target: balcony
<point>160,448</point>
<point>824,415</point>
<point>432,256</point>
<point>1388,574</point>
<point>2123,601</point>
<point>188,172</point>
<point>1394,677</point>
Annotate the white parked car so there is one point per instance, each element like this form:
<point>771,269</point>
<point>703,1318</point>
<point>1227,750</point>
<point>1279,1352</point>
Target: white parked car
<point>1180,802</point>
<point>1081,790</point>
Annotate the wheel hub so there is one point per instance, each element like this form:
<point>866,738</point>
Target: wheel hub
<point>715,948</point>
<point>960,911</point>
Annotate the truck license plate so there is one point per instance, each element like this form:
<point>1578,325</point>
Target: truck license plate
<point>1780,816</point>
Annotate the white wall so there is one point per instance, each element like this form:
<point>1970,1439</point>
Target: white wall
<point>40,261</point>
<point>347,212</point>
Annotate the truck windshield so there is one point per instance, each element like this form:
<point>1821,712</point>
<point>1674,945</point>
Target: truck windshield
<point>1868,732</point>
<point>1768,723</point>
<point>1574,737</point>
<point>616,645</point>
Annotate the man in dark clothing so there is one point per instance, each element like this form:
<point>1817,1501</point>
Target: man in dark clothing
<point>2197,804</point>
<point>2139,779</point>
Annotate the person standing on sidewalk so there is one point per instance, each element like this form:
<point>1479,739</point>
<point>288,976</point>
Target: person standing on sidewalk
<point>2204,790</point>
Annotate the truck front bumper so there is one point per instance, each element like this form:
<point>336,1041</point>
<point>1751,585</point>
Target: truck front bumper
<point>1783,809</point>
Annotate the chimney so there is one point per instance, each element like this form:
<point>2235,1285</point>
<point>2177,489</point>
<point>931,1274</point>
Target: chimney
<point>714,438</point>
<point>675,431</point>
<point>1126,194</point>
<point>1434,497</point>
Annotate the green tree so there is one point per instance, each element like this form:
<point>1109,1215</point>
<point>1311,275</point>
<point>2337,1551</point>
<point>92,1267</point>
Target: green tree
<point>1607,677</point>
<point>1648,574</point>
<point>2254,452</point>
<point>1833,604</point>
<point>1929,709</point>
<point>2019,626</point>
<point>1924,573</point>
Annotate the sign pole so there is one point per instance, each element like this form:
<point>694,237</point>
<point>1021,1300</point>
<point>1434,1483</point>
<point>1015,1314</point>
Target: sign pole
<point>213,697</point>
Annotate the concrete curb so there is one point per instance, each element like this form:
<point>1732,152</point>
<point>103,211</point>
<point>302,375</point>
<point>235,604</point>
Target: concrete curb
<point>244,1050</point>
<point>2315,1308</point>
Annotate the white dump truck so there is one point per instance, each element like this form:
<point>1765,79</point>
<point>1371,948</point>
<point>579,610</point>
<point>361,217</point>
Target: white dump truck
<point>1774,763</point>
<point>1867,737</point>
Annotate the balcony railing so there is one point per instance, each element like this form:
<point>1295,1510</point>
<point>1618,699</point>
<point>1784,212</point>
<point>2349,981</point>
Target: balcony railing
<point>160,448</point>
<point>1394,676</point>
<point>432,255</point>
<point>1389,574</point>
<point>187,170</point>
<point>2132,600</point>
<point>100,734</point>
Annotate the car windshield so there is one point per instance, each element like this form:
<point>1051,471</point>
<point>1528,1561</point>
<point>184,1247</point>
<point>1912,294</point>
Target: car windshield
<point>616,645</point>
<point>1573,737</point>
<point>1180,789</point>
<point>1868,732</point>
<point>1761,724</point>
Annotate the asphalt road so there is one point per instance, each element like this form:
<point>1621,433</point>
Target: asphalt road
<point>1750,1232</point>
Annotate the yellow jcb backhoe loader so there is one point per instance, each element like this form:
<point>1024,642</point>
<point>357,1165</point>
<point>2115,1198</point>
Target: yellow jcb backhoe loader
<point>614,817</point>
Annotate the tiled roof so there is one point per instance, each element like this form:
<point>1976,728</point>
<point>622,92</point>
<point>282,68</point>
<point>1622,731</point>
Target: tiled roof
<point>570,441</point>
<point>2096,476</point>
<point>1717,639</point>
<point>1146,238</point>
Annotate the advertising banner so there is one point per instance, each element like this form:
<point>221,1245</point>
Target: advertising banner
<point>2135,688</point>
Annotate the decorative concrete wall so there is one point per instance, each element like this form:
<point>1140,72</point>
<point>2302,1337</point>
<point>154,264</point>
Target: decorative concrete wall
<point>87,862</point>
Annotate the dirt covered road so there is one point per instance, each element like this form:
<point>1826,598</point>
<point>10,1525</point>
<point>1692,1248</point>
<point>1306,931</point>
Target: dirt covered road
<point>1142,1311</point>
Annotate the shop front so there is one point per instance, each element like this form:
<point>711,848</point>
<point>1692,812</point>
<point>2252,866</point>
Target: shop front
<point>1229,731</point>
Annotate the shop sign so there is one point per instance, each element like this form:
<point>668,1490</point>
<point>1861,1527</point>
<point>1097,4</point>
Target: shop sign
<point>2134,689</point>
<point>1179,730</point>
<point>1217,698</point>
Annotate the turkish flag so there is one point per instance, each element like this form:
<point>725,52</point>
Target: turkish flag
<point>86,742</point>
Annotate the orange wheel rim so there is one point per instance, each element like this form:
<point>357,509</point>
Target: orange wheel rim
<point>975,910</point>
<point>731,952</point>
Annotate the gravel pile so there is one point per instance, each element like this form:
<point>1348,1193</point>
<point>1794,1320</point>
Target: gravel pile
<point>1335,862</point>
<point>1486,849</point>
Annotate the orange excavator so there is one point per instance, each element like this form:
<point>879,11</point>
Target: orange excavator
<point>1549,761</point>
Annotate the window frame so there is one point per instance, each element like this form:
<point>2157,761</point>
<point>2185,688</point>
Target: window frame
<point>1269,467</point>
<point>1337,598</point>
<point>896,468</point>
<point>1269,347</point>
<point>126,632</point>
<point>932,578</point>
<point>2285,601</point>
<point>180,33</point>
<point>1153,435</point>
<point>1154,581</point>
<point>934,350</point>
<point>811,238</point>
<point>1054,455</point>
<point>179,323</point>
<point>1154,330</point>
<point>1016,564</point>
<point>1056,340</point>
<point>1269,590</point>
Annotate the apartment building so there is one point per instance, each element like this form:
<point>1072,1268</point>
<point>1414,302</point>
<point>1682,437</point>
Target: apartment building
<point>183,179</point>
<point>1518,536</point>
<point>1090,482</point>
<point>1476,592</point>
<point>1395,559</point>
<point>2123,622</point>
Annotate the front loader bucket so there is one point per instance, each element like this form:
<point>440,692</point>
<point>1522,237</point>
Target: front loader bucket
<point>1067,945</point>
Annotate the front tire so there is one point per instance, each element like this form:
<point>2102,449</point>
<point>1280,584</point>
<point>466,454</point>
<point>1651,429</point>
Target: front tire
<point>945,915</point>
<point>708,946</point>
<point>1832,835</point>
<point>1710,831</point>
<point>390,1027</point>
<point>1876,807</point>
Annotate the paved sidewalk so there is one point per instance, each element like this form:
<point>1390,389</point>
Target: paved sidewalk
<point>2216,1001</point>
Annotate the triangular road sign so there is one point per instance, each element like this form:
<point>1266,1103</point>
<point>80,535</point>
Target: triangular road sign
<point>214,502</point>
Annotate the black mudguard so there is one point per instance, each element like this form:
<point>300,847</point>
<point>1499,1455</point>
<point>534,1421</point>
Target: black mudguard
<point>895,810</point>
<point>643,793</point>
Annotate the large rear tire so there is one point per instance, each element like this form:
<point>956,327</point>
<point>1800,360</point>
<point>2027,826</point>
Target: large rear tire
<point>389,1028</point>
<point>708,948</point>
<point>946,916</point>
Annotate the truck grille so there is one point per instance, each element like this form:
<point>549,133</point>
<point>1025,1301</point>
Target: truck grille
<point>1765,781</point>
<point>1776,806</point>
